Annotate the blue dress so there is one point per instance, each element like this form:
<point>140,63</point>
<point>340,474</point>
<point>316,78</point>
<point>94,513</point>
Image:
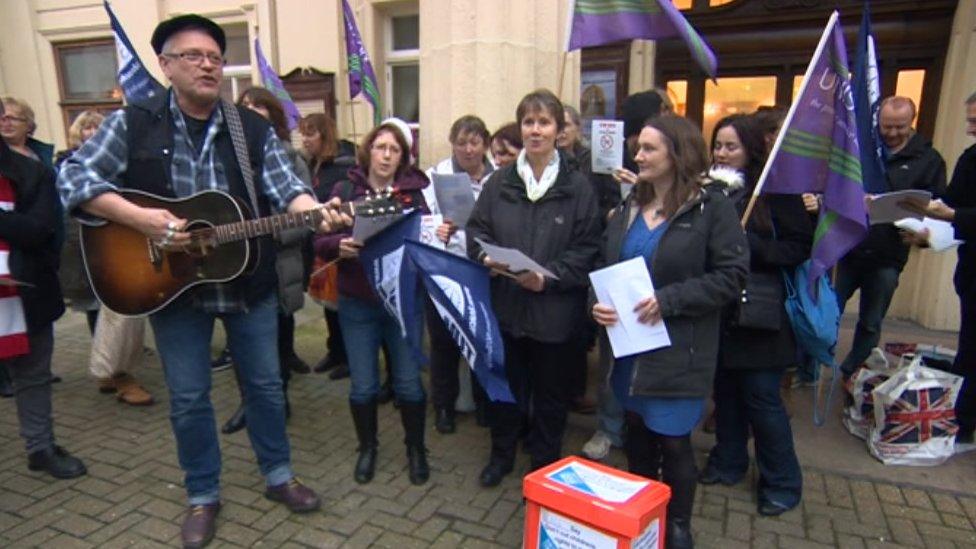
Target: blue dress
<point>667,416</point>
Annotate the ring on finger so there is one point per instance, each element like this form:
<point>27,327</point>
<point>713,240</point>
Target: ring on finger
<point>170,233</point>
<point>172,225</point>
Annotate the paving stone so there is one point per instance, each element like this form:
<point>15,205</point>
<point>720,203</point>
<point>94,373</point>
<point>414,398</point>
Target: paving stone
<point>738,526</point>
<point>431,529</point>
<point>917,498</point>
<point>962,536</point>
<point>318,538</point>
<point>364,537</point>
<point>847,541</point>
<point>944,503</point>
<point>76,525</point>
<point>65,541</point>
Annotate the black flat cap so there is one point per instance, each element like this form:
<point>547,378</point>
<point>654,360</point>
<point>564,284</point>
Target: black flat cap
<point>190,21</point>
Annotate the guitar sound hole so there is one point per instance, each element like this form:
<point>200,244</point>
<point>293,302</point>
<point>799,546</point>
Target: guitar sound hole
<point>202,239</point>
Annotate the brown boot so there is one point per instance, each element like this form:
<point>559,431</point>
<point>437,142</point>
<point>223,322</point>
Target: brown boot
<point>129,391</point>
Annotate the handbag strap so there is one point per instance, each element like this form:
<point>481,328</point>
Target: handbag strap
<point>236,129</point>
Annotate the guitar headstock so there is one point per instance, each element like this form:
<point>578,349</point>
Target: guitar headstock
<point>376,204</point>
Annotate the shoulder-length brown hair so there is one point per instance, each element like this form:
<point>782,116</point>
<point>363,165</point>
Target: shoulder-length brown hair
<point>362,153</point>
<point>686,149</point>
<point>325,126</point>
<point>261,97</point>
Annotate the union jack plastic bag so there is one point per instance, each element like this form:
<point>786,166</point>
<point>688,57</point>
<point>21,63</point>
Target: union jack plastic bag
<point>859,411</point>
<point>914,416</point>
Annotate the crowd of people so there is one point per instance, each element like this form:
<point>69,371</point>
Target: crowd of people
<point>677,203</point>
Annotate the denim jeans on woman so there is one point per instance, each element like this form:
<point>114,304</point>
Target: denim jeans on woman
<point>365,325</point>
<point>747,399</point>
<point>183,337</point>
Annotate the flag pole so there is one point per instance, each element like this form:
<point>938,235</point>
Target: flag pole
<point>789,118</point>
<point>568,29</point>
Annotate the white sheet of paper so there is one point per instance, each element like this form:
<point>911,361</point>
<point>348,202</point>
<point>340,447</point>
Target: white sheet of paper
<point>515,259</point>
<point>428,230</point>
<point>364,227</point>
<point>621,286</point>
<point>607,146</point>
<point>455,196</point>
<point>941,233</point>
<point>884,208</point>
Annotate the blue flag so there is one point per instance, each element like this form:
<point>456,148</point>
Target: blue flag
<point>137,84</point>
<point>460,292</point>
<point>867,105</point>
<point>395,280</point>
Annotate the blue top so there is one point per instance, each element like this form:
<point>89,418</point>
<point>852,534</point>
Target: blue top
<point>667,416</point>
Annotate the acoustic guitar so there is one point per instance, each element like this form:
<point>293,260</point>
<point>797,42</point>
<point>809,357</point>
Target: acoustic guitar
<point>133,275</point>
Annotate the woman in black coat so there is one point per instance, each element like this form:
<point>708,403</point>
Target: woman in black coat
<point>757,341</point>
<point>696,254</point>
<point>549,212</point>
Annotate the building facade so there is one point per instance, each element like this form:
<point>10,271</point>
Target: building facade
<point>439,59</point>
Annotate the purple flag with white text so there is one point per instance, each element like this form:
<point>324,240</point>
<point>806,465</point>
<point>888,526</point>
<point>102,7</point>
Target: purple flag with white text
<point>819,153</point>
<point>270,80</point>
<point>361,75</point>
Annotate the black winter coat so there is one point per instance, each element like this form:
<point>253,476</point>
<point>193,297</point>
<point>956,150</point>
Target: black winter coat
<point>699,267</point>
<point>916,166</point>
<point>961,195</point>
<point>745,348</point>
<point>329,173</point>
<point>31,231</point>
<point>560,231</point>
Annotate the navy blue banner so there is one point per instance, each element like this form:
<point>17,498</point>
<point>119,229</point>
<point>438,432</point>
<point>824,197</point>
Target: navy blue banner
<point>460,292</point>
<point>137,84</point>
<point>867,106</point>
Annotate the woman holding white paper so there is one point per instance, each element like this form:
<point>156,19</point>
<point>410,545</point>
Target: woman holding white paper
<point>548,212</point>
<point>757,342</point>
<point>469,139</point>
<point>698,258</point>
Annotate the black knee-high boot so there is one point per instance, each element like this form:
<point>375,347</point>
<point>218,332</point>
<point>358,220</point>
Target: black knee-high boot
<point>413,415</point>
<point>643,453</point>
<point>680,473</point>
<point>364,418</point>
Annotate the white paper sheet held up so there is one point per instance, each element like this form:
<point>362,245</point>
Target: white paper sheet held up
<point>515,259</point>
<point>941,234</point>
<point>622,285</point>
<point>884,208</point>
<point>607,151</point>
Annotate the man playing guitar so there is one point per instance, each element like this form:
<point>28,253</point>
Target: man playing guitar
<point>175,145</point>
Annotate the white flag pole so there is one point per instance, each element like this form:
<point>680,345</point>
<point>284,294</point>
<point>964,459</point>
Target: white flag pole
<point>789,116</point>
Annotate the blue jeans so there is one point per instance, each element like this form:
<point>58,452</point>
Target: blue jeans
<point>609,412</point>
<point>751,398</point>
<point>183,337</point>
<point>365,325</point>
<point>877,286</point>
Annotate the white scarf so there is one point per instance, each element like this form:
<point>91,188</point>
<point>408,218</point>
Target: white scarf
<point>536,189</point>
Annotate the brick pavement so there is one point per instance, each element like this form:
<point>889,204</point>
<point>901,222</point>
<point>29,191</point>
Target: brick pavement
<point>132,495</point>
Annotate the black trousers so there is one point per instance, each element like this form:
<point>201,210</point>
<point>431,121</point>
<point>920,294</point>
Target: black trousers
<point>335,345</point>
<point>444,359</point>
<point>536,375</point>
<point>965,364</point>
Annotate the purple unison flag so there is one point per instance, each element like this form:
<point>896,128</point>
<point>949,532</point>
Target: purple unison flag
<point>361,75</point>
<point>461,294</point>
<point>137,84</point>
<point>819,153</point>
<point>598,22</point>
<point>274,85</point>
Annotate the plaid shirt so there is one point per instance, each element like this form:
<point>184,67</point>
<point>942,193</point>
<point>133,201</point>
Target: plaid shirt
<point>97,168</point>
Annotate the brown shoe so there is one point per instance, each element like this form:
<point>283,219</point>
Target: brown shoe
<point>129,391</point>
<point>297,497</point>
<point>199,525</point>
<point>106,385</point>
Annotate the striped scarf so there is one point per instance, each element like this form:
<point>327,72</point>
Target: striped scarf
<point>13,325</point>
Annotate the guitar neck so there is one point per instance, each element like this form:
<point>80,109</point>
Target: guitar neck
<point>232,232</point>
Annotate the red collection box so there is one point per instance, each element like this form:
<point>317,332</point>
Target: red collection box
<point>576,503</point>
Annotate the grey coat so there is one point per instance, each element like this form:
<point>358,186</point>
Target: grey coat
<point>290,265</point>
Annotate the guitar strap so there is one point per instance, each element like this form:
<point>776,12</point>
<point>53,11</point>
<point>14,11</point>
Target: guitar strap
<point>236,129</point>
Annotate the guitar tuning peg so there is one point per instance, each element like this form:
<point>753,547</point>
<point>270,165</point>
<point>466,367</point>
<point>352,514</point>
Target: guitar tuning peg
<point>370,211</point>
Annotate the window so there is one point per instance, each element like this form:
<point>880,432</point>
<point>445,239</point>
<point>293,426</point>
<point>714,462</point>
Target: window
<point>87,77</point>
<point>237,72</point>
<point>403,67</point>
<point>678,92</point>
<point>909,84</point>
<point>736,95</point>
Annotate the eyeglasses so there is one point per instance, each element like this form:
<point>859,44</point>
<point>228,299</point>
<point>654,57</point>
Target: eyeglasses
<point>197,57</point>
<point>11,118</point>
<point>392,149</point>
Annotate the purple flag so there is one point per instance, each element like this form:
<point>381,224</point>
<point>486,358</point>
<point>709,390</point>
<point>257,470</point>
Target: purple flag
<point>598,22</point>
<point>361,75</point>
<point>274,85</point>
<point>817,152</point>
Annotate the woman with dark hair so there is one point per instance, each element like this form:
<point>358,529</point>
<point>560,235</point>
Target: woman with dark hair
<point>696,254</point>
<point>506,143</point>
<point>548,211</point>
<point>757,341</point>
<point>469,155</point>
<point>384,164</point>
<point>329,160</point>
<point>290,262</point>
